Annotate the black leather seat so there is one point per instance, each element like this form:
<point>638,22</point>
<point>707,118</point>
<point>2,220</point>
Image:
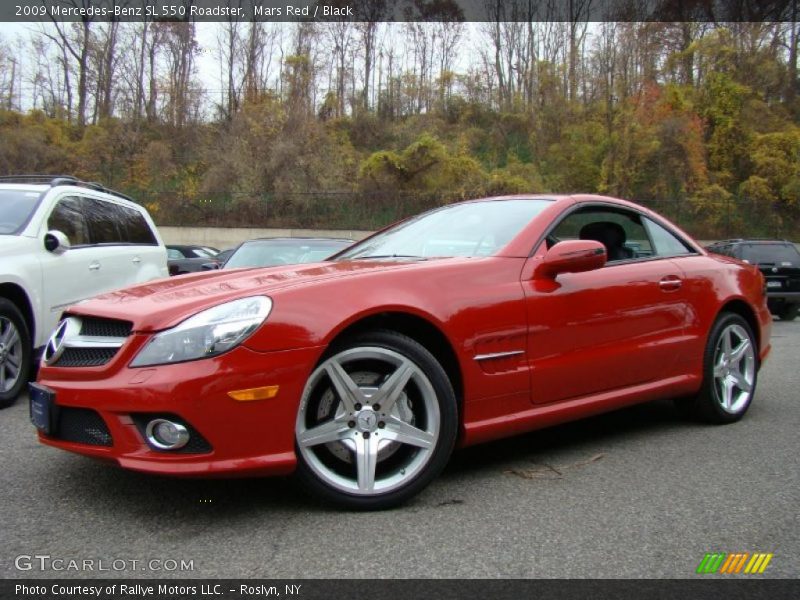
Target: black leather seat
<point>611,235</point>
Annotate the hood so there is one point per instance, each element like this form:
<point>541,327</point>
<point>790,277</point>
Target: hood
<point>13,244</point>
<point>163,303</point>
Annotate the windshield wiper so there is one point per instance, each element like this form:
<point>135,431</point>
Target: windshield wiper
<point>380,256</point>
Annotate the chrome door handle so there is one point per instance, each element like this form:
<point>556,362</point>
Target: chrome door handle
<point>670,284</point>
<point>95,266</point>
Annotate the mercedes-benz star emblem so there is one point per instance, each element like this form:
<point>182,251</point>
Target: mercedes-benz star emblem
<point>55,345</point>
<point>367,420</point>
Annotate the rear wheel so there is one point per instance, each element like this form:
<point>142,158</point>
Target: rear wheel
<point>788,312</point>
<point>15,353</point>
<point>730,368</point>
<point>377,422</point>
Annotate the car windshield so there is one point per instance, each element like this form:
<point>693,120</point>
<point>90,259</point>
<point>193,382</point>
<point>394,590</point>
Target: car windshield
<point>467,229</point>
<point>266,253</point>
<point>16,207</point>
<point>202,253</point>
<point>770,253</point>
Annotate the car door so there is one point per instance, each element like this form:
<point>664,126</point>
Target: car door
<point>108,233</point>
<point>606,329</point>
<point>76,274</point>
<point>147,259</point>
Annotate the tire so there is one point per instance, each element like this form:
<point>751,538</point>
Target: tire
<point>15,353</point>
<point>730,371</point>
<point>377,422</point>
<point>788,312</point>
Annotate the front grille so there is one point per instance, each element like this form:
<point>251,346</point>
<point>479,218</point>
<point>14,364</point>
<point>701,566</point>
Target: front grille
<point>88,341</point>
<point>82,425</point>
<point>197,444</point>
<point>85,357</point>
<point>94,326</point>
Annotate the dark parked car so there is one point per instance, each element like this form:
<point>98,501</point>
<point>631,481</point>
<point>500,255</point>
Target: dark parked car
<point>779,261</point>
<point>189,259</point>
<point>224,255</point>
<point>271,252</point>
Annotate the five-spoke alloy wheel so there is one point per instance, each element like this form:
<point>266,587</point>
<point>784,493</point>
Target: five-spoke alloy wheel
<point>377,421</point>
<point>731,370</point>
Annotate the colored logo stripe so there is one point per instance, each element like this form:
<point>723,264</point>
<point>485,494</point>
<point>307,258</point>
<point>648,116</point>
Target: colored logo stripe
<point>733,563</point>
<point>711,562</point>
<point>758,563</point>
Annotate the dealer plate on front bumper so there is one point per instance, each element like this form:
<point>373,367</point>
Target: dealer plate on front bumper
<point>42,407</point>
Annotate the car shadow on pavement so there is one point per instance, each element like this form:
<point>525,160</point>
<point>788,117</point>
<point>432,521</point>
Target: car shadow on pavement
<point>585,436</point>
<point>108,488</point>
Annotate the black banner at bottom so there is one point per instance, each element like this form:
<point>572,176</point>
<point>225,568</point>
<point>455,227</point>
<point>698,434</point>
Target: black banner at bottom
<point>391,589</point>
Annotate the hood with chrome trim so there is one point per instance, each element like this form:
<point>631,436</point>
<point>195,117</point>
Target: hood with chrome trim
<point>163,303</point>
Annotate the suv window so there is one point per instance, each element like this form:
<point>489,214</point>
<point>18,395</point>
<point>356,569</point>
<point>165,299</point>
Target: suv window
<point>16,207</point>
<point>135,227</point>
<point>103,218</point>
<point>67,217</point>
<point>769,253</point>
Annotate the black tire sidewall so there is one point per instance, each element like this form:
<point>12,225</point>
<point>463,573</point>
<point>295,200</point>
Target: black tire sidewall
<point>448,428</point>
<point>706,405</point>
<point>11,312</point>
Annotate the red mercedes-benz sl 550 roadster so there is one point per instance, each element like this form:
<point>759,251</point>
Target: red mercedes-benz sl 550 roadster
<point>362,373</point>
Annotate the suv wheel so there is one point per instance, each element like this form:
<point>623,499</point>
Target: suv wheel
<point>15,353</point>
<point>788,312</point>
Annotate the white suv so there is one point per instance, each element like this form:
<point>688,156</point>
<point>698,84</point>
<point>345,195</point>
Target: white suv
<point>61,241</point>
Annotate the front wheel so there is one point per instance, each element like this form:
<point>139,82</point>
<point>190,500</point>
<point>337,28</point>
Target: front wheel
<point>377,422</point>
<point>730,365</point>
<point>15,353</point>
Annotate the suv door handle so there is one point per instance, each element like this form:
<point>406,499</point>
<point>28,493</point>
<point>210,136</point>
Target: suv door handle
<point>95,266</point>
<point>670,283</point>
<point>136,260</point>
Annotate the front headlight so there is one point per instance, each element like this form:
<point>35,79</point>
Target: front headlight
<point>206,334</point>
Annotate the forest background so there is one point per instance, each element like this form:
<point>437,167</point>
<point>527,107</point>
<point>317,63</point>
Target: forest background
<point>355,125</point>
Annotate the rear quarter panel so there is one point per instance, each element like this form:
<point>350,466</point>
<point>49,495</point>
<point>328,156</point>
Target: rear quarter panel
<point>714,281</point>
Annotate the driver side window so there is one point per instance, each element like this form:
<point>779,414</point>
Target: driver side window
<point>620,231</point>
<point>67,217</point>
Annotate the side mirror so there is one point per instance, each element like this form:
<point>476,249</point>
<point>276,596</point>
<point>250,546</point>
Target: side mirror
<point>56,242</point>
<point>571,256</point>
<point>209,266</point>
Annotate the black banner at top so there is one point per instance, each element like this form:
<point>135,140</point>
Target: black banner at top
<point>398,10</point>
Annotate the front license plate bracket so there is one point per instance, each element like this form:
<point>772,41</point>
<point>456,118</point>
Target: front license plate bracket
<point>43,408</point>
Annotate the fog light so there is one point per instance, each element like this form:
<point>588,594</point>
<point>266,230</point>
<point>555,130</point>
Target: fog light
<point>166,435</point>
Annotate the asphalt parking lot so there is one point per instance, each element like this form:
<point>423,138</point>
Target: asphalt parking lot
<point>636,493</point>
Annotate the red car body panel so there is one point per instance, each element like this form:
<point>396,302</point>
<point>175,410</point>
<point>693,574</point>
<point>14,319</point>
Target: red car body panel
<point>574,338</point>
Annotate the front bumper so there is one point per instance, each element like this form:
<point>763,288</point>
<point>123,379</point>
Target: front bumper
<point>245,437</point>
<point>786,296</point>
